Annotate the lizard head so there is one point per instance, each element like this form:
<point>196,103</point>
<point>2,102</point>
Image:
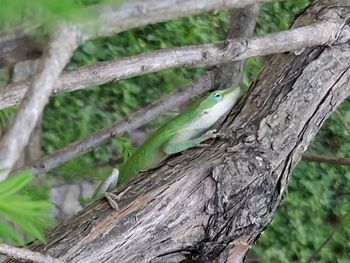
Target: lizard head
<point>220,102</point>
<point>216,106</point>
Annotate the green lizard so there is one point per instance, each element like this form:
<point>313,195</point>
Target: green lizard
<point>186,130</point>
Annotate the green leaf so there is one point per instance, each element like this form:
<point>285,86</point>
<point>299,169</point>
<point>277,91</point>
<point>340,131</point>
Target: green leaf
<point>6,231</point>
<point>29,216</point>
<point>15,183</point>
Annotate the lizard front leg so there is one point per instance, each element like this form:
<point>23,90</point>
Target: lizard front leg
<point>175,147</point>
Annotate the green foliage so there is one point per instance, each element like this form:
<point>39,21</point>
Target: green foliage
<point>278,16</point>
<point>5,117</point>
<point>44,13</point>
<point>20,211</point>
<point>123,147</point>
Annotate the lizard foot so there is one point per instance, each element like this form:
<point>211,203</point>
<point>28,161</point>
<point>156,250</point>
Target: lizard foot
<point>113,199</point>
<point>211,134</point>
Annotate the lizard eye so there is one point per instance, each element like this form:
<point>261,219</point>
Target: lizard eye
<point>217,96</point>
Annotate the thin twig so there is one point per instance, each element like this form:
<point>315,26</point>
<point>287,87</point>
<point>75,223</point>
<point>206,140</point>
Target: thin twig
<point>325,159</point>
<point>343,121</point>
<point>110,20</point>
<point>325,242</point>
<point>188,56</point>
<point>25,254</point>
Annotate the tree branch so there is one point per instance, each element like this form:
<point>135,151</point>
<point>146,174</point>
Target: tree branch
<point>111,20</point>
<point>147,114</point>
<point>325,159</point>
<point>108,20</point>
<point>55,59</point>
<point>189,56</point>
<point>153,111</point>
<point>25,254</point>
<point>143,116</point>
<point>242,24</point>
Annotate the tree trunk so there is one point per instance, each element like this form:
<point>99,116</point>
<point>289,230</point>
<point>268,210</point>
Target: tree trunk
<point>210,204</point>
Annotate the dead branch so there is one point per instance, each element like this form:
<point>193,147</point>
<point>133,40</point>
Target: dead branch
<point>143,116</point>
<point>55,59</point>
<point>25,254</point>
<point>109,20</point>
<point>191,56</point>
<point>325,159</point>
<point>131,14</point>
<point>86,145</point>
<point>242,24</point>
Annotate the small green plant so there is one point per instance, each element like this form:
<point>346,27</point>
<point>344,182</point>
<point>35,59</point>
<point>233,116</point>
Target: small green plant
<point>19,213</point>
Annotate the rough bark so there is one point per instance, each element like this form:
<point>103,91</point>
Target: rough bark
<point>210,204</point>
